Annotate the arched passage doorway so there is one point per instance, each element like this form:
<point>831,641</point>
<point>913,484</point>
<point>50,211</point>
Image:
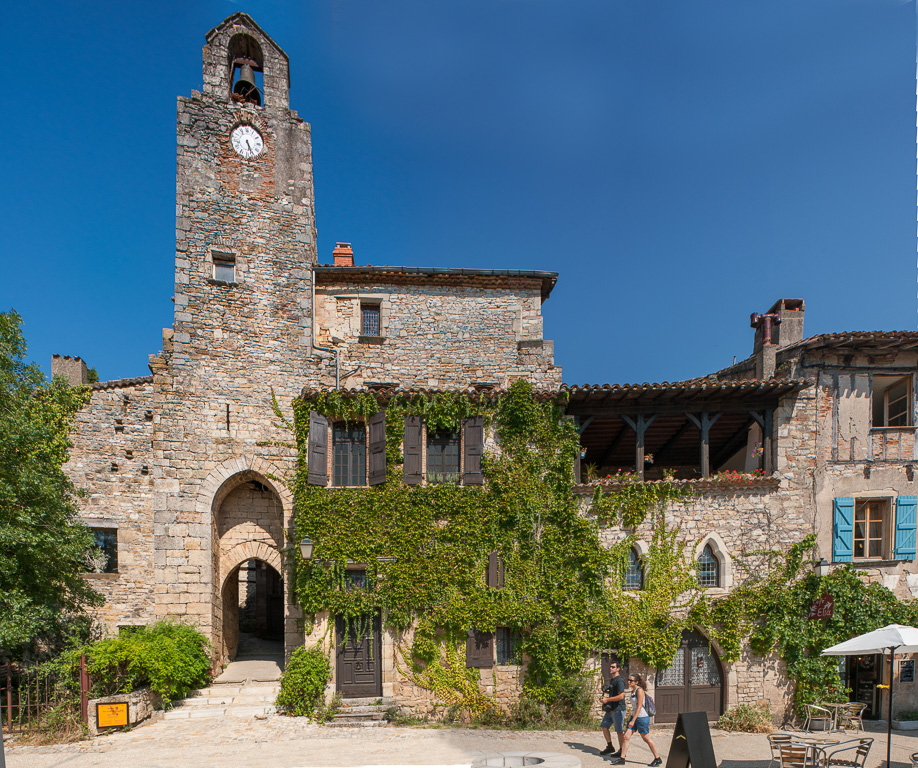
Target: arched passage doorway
<point>694,682</point>
<point>248,537</point>
<point>253,610</point>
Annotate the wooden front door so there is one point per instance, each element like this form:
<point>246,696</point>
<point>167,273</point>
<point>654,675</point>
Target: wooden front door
<point>359,657</point>
<point>692,683</point>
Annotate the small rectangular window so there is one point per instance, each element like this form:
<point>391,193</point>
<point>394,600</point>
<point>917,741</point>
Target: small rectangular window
<point>349,452</point>
<point>225,267</point>
<point>369,320</point>
<point>103,557</point>
<point>870,529</point>
<point>508,646</point>
<point>442,457</point>
<point>892,401</point>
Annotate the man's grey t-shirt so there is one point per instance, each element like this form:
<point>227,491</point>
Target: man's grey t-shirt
<point>617,686</point>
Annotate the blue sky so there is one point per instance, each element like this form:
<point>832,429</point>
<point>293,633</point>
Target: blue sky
<point>680,164</point>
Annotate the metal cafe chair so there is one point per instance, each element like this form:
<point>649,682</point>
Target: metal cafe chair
<point>775,740</point>
<point>848,754</point>
<point>795,754</point>
<point>852,714</point>
<point>815,713</point>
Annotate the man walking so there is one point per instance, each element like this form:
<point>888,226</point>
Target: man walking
<point>613,704</point>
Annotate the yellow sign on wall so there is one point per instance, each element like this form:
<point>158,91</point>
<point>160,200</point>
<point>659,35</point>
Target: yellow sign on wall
<point>112,715</point>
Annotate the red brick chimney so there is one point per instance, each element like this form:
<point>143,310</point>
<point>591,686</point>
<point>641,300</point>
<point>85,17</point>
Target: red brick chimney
<point>344,255</point>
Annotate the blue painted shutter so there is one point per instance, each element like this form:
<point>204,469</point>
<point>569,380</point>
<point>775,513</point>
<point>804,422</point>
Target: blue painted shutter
<point>906,519</point>
<point>843,530</point>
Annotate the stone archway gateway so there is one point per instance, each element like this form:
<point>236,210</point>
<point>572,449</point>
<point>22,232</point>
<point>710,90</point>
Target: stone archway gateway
<point>248,535</point>
<point>694,682</point>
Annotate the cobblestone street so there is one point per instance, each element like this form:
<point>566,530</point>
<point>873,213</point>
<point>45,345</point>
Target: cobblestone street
<point>284,742</point>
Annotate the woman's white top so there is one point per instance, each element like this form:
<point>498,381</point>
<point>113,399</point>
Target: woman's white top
<point>643,712</point>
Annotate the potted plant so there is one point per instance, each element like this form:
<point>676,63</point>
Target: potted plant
<point>906,720</point>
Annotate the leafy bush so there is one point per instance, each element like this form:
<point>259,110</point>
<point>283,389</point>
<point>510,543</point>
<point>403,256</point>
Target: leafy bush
<point>171,658</point>
<point>303,683</point>
<point>749,719</point>
<point>907,714</point>
<point>567,703</point>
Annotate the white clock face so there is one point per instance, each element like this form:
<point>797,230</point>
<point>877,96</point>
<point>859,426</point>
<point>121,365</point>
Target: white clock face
<point>247,141</point>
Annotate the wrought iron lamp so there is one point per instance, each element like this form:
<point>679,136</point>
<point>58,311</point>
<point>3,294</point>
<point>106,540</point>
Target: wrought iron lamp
<point>821,567</point>
<point>306,547</point>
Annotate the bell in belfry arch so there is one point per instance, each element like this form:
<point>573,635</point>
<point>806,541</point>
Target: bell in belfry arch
<point>245,86</point>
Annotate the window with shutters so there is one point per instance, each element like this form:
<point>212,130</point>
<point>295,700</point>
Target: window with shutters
<point>874,529</point>
<point>349,455</point>
<point>449,457</point>
<point>442,457</point>
<point>479,649</point>
<point>892,401</point>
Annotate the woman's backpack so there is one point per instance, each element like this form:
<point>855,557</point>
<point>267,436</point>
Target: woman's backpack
<point>649,707</point>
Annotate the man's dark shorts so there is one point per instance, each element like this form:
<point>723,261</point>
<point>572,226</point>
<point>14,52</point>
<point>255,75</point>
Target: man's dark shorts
<point>617,717</point>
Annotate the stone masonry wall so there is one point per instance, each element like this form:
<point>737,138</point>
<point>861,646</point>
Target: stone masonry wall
<point>438,336</point>
<point>112,460</point>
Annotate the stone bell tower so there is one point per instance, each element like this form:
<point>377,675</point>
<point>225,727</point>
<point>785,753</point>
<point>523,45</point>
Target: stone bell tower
<point>245,245</point>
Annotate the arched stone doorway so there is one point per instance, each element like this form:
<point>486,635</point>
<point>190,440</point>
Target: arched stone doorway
<point>694,682</point>
<point>253,609</point>
<point>248,529</point>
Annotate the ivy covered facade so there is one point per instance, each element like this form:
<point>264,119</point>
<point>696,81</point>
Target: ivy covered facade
<point>480,531</point>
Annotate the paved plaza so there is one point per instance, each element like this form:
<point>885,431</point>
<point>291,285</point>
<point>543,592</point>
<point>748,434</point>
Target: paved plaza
<point>284,742</point>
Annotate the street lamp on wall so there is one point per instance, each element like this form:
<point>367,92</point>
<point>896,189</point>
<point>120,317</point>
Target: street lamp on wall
<point>306,547</point>
<point>821,567</point>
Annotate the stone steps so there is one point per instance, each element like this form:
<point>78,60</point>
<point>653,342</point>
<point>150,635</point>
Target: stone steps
<point>361,713</point>
<point>236,699</point>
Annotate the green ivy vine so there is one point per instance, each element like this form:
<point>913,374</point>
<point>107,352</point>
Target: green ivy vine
<point>770,609</point>
<point>427,547</point>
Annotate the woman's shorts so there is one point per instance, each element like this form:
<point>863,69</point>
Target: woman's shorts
<point>641,725</point>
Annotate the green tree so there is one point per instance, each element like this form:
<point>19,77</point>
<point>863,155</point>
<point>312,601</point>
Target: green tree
<point>43,544</point>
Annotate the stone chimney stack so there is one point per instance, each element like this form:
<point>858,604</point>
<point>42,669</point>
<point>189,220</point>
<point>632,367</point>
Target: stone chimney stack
<point>780,327</point>
<point>73,369</point>
<point>344,255</point>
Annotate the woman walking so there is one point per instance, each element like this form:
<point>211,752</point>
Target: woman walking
<point>639,721</point>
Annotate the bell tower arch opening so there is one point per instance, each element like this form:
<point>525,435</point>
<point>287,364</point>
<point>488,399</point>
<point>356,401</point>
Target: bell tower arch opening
<point>246,69</point>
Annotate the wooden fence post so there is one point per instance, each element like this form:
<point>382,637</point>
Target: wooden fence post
<point>84,690</point>
<point>9,696</point>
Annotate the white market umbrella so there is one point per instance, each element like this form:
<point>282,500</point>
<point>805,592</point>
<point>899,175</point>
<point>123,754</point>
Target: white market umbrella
<point>896,638</point>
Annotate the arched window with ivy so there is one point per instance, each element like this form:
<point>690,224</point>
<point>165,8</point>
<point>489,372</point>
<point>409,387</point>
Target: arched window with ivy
<point>708,568</point>
<point>634,573</point>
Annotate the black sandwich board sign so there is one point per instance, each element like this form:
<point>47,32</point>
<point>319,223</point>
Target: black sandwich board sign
<point>691,742</point>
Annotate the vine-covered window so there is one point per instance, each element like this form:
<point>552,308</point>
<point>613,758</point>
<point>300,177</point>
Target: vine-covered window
<point>634,574</point>
<point>349,449</point>
<point>442,457</point>
<point>708,568</point>
<point>508,646</point>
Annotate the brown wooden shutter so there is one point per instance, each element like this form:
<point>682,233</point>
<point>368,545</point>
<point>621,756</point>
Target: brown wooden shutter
<point>479,649</point>
<point>412,446</point>
<point>473,448</point>
<point>377,445</point>
<point>318,449</point>
<point>495,570</point>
